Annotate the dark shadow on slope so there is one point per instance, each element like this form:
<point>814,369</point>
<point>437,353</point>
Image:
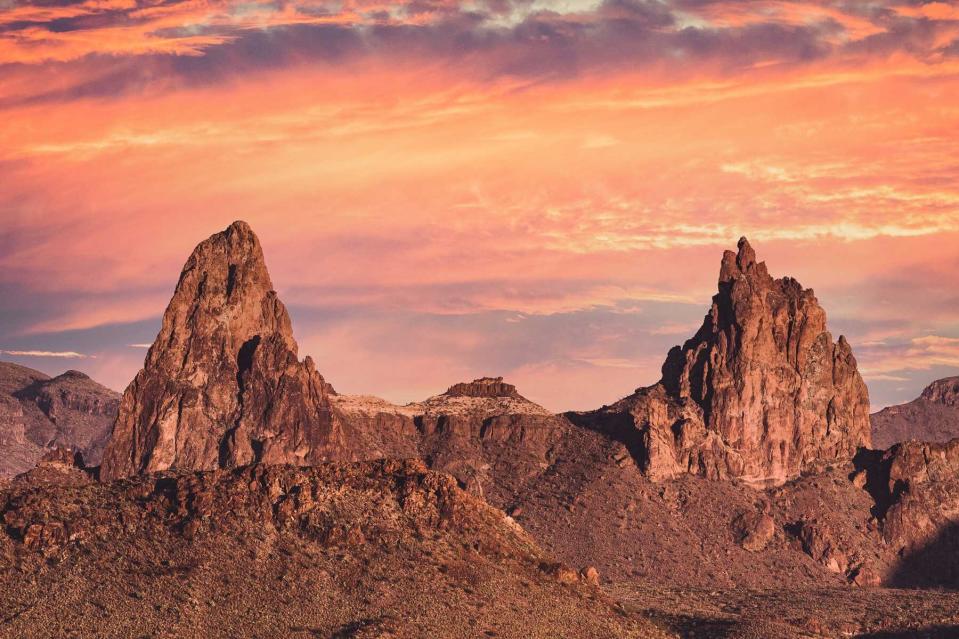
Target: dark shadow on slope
<point>616,426</point>
<point>934,565</point>
<point>877,480</point>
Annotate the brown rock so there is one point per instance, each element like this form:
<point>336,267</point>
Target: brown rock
<point>65,456</point>
<point>760,393</point>
<point>222,385</point>
<point>755,530</point>
<point>821,544</point>
<point>483,387</point>
<point>590,575</point>
<point>371,549</point>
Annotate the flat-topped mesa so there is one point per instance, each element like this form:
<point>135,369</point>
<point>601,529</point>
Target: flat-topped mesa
<point>222,385</point>
<point>760,393</point>
<point>483,387</point>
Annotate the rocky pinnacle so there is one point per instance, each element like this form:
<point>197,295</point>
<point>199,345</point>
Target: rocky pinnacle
<point>222,386</point>
<point>761,392</point>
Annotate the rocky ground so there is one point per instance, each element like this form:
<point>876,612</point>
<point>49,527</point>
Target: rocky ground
<point>797,613</point>
<point>380,549</point>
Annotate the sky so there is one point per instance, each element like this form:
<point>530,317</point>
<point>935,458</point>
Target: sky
<point>445,190</point>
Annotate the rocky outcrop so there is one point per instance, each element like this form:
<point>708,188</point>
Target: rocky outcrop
<point>483,387</point>
<point>222,385</point>
<point>760,393</point>
<point>931,417</point>
<point>39,413</point>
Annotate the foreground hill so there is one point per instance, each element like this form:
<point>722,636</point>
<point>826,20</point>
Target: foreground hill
<point>38,412</point>
<point>931,417</point>
<point>380,549</point>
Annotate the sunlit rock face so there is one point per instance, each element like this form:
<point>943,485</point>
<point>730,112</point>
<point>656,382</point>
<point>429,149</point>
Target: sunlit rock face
<point>222,385</point>
<point>760,393</point>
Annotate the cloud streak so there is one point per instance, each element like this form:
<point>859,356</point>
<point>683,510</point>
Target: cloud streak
<point>62,354</point>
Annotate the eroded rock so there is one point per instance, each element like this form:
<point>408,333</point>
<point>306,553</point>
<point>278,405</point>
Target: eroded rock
<point>760,393</point>
<point>222,385</point>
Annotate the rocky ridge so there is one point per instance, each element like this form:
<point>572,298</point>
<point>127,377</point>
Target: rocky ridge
<point>931,417</point>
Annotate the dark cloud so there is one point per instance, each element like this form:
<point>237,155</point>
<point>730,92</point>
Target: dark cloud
<point>617,35</point>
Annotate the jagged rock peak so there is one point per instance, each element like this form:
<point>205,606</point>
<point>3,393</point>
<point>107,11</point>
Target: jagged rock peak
<point>736,264</point>
<point>943,391</point>
<point>761,392</point>
<point>222,385</point>
<point>483,387</point>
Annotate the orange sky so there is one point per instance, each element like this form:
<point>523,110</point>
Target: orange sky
<point>540,190</point>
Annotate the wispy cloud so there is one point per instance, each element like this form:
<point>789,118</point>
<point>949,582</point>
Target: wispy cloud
<point>63,354</point>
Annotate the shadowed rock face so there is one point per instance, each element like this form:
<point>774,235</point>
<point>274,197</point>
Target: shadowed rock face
<point>38,413</point>
<point>222,385</point>
<point>761,392</point>
<point>931,417</point>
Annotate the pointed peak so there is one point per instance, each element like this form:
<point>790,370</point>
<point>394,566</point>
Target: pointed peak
<point>239,227</point>
<point>746,256</point>
<point>739,262</point>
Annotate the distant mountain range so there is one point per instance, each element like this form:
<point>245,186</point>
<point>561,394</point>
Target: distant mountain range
<point>38,413</point>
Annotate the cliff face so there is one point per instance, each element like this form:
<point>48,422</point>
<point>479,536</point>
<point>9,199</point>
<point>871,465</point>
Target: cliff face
<point>760,393</point>
<point>222,385</point>
<point>38,413</point>
<point>931,417</point>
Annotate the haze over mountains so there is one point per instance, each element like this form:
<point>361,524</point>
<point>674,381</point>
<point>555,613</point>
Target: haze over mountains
<point>749,465</point>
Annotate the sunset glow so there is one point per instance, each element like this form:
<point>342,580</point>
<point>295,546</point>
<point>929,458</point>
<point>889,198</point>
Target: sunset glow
<point>538,190</point>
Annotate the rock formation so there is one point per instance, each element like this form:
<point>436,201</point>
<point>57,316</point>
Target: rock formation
<point>490,438</point>
<point>931,417</point>
<point>222,385</point>
<point>39,413</point>
<point>760,393</point>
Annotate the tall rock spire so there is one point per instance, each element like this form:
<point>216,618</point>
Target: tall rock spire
<point>222,385</point>
<point>761,392</point>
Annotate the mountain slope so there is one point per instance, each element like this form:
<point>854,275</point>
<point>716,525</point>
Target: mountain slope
<point>38,412</point>
<point>380,549</point>
<point>931,417</point>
